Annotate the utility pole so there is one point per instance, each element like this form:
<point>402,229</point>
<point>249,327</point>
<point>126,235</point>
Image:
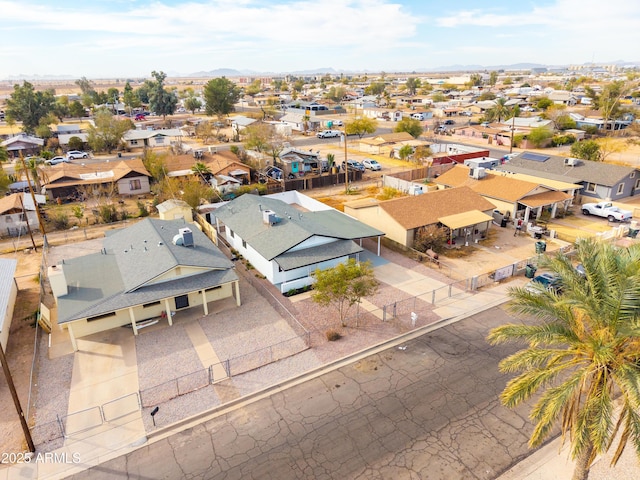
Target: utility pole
<point>513,127</point>
<point>16,400</point>
<point>346,162</point>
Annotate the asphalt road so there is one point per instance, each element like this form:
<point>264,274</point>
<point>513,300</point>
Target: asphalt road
<point>426,409</point>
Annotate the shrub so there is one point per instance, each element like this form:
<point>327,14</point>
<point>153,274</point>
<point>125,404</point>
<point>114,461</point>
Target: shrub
<point>142,209</point>
<point>560,140</point>
<point>60,221</point>
<point>333,335</point>
<point>108,213</point>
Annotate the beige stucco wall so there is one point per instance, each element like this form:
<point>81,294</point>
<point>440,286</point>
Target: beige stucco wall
<point>8,315</point>
<point>124,188</point>
<point>177,212</point>
<point>376,217</point>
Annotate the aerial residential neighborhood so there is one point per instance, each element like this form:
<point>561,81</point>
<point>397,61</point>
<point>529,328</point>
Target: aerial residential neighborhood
<point>219,259</point>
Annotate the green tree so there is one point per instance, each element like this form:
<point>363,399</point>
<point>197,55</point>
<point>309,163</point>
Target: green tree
<point>361,126</point>
<point>582,353</point>
<point>76,143</point>
<point>608,100</point>
<point>5,181</point>
<point>202,170</point>
<point>343,286</point>
<point>220,95</point>
<point>336,94</point>
<point>376,88</point>
<point>539,136</point>
<point>587,150</point>
<point>412,85</point>
<point>421,153</point>
<point>76,109</point>
<point>86,86</point>
<point>129,97</point>
<point>192,104</point>
<point>254,88</point>
<point>493,78</point>
<point>29,106</point>
<point>35,170</point>
<point>155,164</point>
<point>475,80</point>
<point>61,107</point>
<point>430,237</point>
<point>544,103</point>
<point>256,137</point>
<point>411,126</point>
<point>405,152</point>
<point>161,101</point>
<point>107,131</point>
<point>196,193</point>
<point>499,111</point>
<point>438,97</point>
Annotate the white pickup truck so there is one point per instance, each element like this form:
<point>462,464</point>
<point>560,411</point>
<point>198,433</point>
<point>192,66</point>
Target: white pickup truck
<point>328,134</point>
<point>607,210</point>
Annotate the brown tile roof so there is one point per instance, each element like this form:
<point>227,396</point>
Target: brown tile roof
<point>425,209</point>
<point>10,203</point>
<point>545,198</point>
<point>66,174</point>
<point>218,163</point>
<point>493,185</point>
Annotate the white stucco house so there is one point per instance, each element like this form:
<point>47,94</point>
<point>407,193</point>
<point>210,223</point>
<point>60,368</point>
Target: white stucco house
<point>287,236</point>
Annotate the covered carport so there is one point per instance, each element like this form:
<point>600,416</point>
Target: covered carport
<point>536,203</point>
<point>468,225</point>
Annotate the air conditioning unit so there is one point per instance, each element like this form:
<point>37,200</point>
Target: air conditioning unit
<point>478,173</point>
<point>571,162</point>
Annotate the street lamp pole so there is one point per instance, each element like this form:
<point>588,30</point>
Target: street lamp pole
<point>346,162</point>
<point>513,127</point>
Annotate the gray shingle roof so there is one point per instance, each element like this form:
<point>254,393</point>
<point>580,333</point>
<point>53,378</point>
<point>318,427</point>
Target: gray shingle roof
<point>317,254</point>
<point>244,215</point>
<point>554,168</point>
<point>100,283</point>
<point>139,267</point>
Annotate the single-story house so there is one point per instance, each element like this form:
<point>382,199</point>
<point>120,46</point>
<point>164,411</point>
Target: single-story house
<point>295,162</point>
<point>70,179</point>
<point>287,236</point>
<point>223,162</point>
<point>148,271</point>
<point>18,214</point>
<point>8,294</point>
<point>300,121</point>
<point>63,139</point>
<point>599,180</point>
<point>240,122</point>
<point>462,211</point>
<point>67,129</point>
<point>225,184</point>
<point>152,138</point>
<point>386,143</point>
<point>24,143</point>
<point>512,196</point>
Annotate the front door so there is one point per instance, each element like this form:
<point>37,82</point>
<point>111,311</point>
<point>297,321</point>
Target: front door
<point>182,301</point>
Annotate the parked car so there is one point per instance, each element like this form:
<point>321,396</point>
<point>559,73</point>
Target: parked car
<point>328,134</point>
<point>466,113</point>
<point>449,122</point>
<point>484,124</point>
<point>337,123</point>
<point>544,281</point>
<point>140,117</point>
<point>371,164</point>
<point>354,165</point>
<point>608,211</point>
<point>73,154</point>
<point>56,160</point>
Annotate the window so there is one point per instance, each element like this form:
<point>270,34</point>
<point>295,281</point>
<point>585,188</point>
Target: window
<point>134,185</point>
<point>620,188</point>
<point>244,244</point>
<point>632,174</point>
<point>637,186</point>
<point>591,187</point>
<point>159,140</point>
<point>152,304</point>
<point>231,233</point>
<point>8,219</point>
<point>133,142</point>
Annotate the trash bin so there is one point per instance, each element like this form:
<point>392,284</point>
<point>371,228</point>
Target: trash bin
<point>503,222</point>
<point>541,247</point>
<point>530,270</point>
<point>119,154</point>
<point>633,233</point>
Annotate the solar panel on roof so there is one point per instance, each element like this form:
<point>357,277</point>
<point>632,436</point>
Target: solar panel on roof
<point>534,157</point>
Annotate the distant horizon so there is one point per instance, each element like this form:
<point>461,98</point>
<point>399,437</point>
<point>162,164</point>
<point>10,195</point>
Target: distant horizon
<point>110,39</point>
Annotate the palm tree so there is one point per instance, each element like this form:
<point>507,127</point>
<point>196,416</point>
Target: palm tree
<point>499,111</point>
<point>583,354</point>
<point>34,168</point>
<point>203,170</point>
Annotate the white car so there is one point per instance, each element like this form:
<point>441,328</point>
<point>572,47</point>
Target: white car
<point>371,164</point>
<point>328,134</point>
<point>56,161</point>
<point>73,154</point>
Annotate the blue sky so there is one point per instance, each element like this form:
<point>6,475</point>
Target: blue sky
<point>127,38</point>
